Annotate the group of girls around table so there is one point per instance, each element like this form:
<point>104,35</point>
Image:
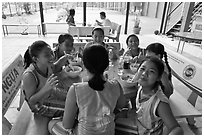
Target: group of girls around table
<point>90,107</point>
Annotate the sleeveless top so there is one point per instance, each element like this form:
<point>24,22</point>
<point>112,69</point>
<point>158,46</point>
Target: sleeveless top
<point>96,108</point>
<point>147,120</point>
<point>140,50</point>
<point>40,82</point>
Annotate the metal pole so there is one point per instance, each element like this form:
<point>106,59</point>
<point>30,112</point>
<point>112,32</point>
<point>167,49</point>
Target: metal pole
<point>10,9</point>
<point>127,14</point>
<point>16,8</point>
<point>167,18</point>
<point>163,17</point>
<point>84,15</point>
<point>42,18</point>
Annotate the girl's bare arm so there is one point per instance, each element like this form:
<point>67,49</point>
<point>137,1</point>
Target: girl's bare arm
<point>164,111</point>
<point>30,87</point>
<point>71,109</point>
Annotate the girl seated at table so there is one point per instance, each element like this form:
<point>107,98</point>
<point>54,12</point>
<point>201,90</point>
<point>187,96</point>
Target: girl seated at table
<point>98,38</point>
<point>39,82</point>
<point>152,106</point>
<point>134,51</point>
<point>157,49</point>
<point>92,103</point>
<point>65,45</point>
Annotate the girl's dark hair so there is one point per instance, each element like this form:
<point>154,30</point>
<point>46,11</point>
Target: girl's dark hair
<point>72,12</point>
<point>95,59</point>
<point>33,51</point>
<point>98,29</point>
<point>158,49</point>
<point>132,35</point>
<point>63,37</point>
<point>160,67</point>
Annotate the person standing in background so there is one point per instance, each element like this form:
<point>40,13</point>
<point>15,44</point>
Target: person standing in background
<point>70,18</point>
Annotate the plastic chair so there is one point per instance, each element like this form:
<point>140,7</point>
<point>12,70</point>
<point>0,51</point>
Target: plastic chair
<point>115,30</point>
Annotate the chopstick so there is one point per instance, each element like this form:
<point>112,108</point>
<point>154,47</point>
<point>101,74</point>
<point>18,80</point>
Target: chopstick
<point>72,68</point>
<point>134,77</point>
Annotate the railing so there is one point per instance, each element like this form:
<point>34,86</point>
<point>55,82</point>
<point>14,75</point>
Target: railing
<point>23,29</point>
<point>174,16</point>
<point>197,11</point>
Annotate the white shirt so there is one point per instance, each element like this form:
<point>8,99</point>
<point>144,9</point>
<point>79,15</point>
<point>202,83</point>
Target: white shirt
<point>106,22</point>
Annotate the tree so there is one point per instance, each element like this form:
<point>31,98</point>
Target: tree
<point>26,7</point>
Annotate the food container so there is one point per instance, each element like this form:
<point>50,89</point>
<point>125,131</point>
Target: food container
<point>73,74</point>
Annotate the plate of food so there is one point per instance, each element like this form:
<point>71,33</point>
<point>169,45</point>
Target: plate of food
<point>126,80</point>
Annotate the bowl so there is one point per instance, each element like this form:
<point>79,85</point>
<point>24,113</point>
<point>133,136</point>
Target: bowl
<point>76,62</point>
<point>71,73</point>
<point>126,81</point>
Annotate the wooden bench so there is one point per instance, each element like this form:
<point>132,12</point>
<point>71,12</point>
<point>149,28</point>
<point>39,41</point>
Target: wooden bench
<point>85,32</point>
<point>78,45</point>
<point>27,122</point>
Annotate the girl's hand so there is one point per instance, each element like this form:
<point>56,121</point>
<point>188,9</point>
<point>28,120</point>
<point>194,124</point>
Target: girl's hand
<point>120,53</point>
<point>135,59</point>
<point>140,57</point>
<point>51,82</point>
<point>65,59</point>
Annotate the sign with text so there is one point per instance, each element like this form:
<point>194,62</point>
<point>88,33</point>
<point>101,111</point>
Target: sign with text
<point>11,82</point>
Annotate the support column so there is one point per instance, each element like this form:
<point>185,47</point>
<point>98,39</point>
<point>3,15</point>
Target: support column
<point>127,14</point>
<point>10,9</point>
<point>84,13</point>
<point>163,18</point>
<point>42,19</point>
<point>187,13</point>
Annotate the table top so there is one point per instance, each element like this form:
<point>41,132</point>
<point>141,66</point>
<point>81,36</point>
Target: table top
<point>65,82</point>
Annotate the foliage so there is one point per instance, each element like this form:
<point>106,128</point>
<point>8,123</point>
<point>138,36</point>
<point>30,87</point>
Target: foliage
<point>137,22</point>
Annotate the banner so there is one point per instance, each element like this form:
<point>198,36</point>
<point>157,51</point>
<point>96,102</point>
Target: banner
<point>11,82</point>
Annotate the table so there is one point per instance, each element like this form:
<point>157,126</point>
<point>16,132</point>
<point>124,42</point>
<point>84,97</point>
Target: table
<point>112,72</point>
<point>187,36</point>
<point>65,83</point>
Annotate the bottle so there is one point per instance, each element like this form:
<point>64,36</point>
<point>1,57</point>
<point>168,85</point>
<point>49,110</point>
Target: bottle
<point>126,64</point>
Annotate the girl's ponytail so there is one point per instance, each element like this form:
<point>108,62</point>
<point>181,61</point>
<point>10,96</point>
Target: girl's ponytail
<point>33,51</point>
<point>27,59</point>
<point>167,64</point>
<point>96,83</point>
<point>96,60</point>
